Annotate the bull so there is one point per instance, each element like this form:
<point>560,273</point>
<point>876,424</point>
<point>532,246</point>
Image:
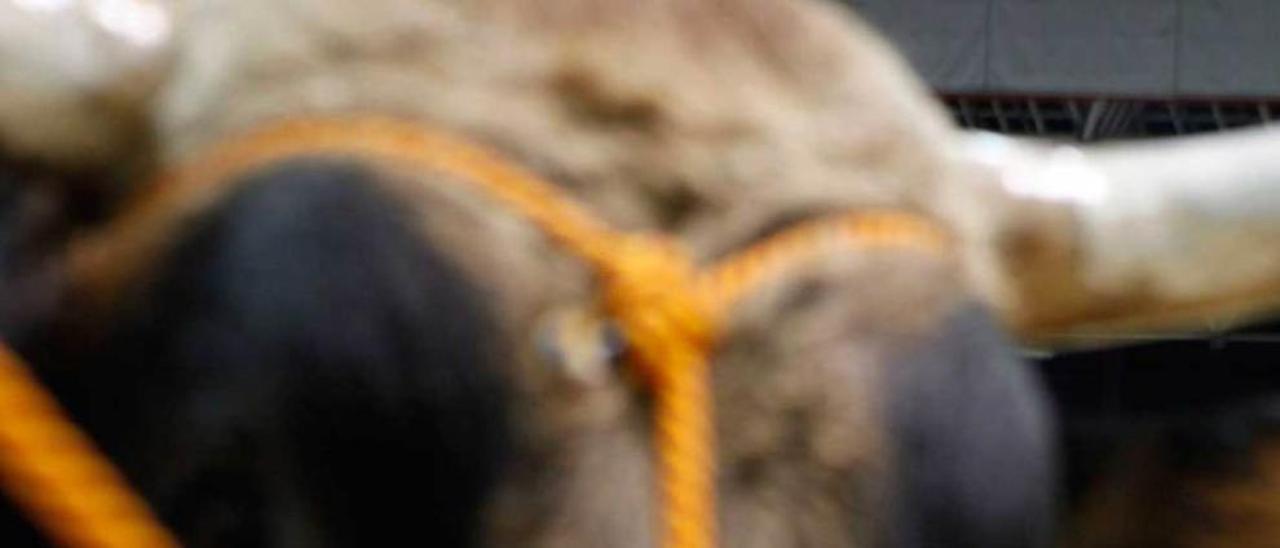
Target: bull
<point>332,350</point>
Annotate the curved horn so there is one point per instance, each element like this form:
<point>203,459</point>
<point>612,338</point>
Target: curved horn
<point>1171,234</point>
<point>73,74</point>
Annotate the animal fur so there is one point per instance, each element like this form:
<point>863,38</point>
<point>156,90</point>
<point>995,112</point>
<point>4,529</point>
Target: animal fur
<point>332,354</point>
<point>1170,444</point>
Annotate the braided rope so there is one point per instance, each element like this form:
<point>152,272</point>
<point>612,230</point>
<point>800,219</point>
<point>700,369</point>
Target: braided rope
<point>55,474</point>
<point>668,309</point>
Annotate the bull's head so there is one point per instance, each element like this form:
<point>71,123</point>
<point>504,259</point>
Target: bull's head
<point>282,312</point>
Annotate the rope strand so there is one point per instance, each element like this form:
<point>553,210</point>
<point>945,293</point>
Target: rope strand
<point>54,473</point>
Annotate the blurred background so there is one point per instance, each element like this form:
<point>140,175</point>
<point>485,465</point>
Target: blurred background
<point>1092,70</point>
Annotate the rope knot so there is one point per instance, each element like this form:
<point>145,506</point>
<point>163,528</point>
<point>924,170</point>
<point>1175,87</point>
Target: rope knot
<point>653,290</point>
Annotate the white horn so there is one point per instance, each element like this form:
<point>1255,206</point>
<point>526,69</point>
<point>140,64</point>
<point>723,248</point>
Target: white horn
<point>1171,234</point>
<point>73,74</point>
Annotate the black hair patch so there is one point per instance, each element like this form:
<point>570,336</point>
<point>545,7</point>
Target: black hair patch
<point>301,370</point>
<point>974,440</point>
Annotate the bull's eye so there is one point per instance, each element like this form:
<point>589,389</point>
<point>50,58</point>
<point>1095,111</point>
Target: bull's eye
<point>615,343</point>
<point>582,347</point>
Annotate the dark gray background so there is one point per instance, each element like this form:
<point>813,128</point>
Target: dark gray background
<point>1149,48</point>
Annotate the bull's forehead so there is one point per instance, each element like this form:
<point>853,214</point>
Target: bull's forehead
<point>660,114</point>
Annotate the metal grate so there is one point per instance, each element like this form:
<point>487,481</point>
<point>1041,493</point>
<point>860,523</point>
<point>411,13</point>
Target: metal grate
<point>1095,119</point>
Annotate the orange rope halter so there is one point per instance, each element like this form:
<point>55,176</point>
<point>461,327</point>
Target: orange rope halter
<point>52,471</point>
<point>669,311</point>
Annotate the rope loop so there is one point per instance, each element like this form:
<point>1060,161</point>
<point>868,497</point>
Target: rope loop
<point>652,289</point>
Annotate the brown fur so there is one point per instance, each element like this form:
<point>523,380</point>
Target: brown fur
<point>1146,500</point>
<point>712,120</point>
<point>704,118</point>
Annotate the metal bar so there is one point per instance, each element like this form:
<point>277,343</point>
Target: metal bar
<point>1035,116</point>
<point>966,112</point>
<point>1216,109</point>
<point>1125,113</point>
<point>1000,119</point>
<point>1075,112</point>
<point>1175,117</point>
<point>1097,108</point>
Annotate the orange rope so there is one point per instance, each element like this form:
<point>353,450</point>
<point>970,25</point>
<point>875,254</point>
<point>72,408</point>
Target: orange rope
<point>55,474</point>
<point>669,311</point>
<point>735,276</point>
